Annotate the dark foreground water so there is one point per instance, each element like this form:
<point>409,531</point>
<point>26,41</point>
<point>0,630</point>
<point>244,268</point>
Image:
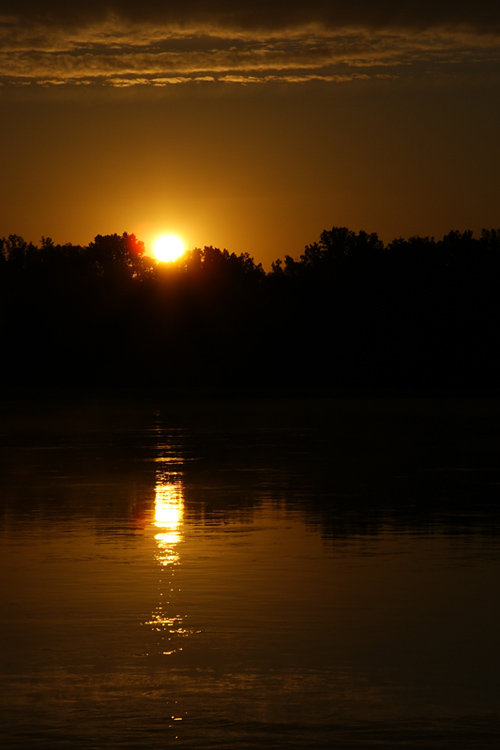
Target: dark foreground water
<point>292,575</point>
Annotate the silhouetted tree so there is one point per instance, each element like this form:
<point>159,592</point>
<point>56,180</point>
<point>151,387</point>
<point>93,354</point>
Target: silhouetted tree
<point>116,254</point>
<point>348,311</point>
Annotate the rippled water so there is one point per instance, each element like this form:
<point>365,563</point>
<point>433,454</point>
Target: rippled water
<point>282,575</point>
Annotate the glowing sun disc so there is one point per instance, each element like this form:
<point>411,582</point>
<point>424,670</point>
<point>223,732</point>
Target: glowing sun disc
<point>168,247</point>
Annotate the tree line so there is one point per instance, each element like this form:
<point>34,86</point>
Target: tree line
<point>349,312</point>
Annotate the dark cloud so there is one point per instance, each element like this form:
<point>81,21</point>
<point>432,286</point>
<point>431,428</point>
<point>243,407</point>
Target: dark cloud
<point>156,43</point>
<point>267,15</point>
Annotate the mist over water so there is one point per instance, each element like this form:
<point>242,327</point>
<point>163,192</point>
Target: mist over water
<point>299,574</point>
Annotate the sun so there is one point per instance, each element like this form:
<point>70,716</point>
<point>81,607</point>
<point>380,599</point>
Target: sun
<point>168,247</point>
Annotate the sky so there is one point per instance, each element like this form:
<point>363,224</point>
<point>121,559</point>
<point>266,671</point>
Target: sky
<point>251,126</point>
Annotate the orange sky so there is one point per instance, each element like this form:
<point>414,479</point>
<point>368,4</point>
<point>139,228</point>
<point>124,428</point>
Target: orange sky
<point>253,129</point>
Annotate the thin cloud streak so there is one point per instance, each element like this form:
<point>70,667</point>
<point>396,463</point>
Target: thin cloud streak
<point>119,53</point>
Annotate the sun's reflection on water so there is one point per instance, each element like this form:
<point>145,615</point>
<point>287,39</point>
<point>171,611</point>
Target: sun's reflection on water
<point>169,513</point>
<point>168,525</point>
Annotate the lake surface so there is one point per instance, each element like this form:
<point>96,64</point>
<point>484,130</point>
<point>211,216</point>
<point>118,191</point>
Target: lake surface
<point>298,574</point>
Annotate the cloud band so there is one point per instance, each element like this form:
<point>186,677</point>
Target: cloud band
<point>118,51</point>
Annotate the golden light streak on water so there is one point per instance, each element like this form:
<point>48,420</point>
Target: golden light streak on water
<point>169,513</point>
<point>169,520</point>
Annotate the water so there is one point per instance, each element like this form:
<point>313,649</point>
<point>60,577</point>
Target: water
<point>240,575</point>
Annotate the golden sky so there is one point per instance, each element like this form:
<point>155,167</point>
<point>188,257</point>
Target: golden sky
<point>248,125</point>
